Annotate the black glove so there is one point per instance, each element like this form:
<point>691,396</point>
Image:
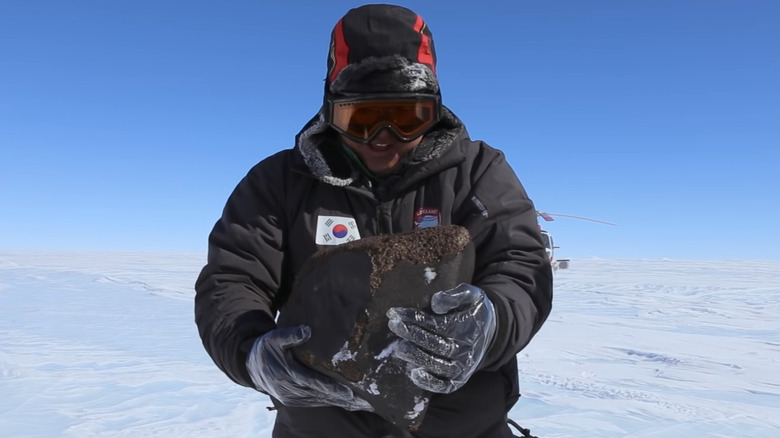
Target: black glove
<point>445,347</point>
<point>275,371</point>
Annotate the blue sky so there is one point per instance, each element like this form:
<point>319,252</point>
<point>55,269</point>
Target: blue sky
<point>124,125</point>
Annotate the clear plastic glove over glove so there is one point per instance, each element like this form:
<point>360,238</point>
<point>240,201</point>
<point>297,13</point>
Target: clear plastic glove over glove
<point>445,347</point>
<point>275,371</point>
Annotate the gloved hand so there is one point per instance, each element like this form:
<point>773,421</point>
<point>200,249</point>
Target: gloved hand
<point>445,347</point>
<point>275,371</point>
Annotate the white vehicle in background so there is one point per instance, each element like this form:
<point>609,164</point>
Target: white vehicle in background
<point>549,244</point>
<point>550,247</point>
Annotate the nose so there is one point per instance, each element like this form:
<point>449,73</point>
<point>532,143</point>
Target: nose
<point>385,136</point>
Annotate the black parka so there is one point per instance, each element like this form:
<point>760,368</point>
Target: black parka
<point>268,229</point>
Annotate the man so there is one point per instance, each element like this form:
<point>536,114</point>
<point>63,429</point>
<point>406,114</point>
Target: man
<point>382,156</point>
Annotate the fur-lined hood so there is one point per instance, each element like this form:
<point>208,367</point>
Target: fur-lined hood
<point>316,136</point>
<point>385,74</point>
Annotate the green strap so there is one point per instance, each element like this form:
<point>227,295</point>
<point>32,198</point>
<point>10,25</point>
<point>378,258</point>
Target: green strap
<point>351,154</point>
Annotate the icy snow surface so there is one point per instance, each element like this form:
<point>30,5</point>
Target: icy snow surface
<point>104,345</point>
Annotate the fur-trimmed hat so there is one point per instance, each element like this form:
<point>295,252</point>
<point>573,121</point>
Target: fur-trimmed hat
<point>381,49</point>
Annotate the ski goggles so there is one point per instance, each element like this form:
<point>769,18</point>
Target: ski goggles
<point>361,118</point>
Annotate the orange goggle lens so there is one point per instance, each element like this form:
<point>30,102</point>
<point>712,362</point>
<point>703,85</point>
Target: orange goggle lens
<point>361,120</point>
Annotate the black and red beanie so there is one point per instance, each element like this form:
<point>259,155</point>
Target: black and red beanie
<point>381,48</point>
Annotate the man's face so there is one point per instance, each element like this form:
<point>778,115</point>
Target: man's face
<point>384,152</point>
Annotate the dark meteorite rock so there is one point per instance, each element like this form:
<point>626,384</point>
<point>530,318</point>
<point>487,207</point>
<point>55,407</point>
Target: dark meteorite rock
<point>343,292</point>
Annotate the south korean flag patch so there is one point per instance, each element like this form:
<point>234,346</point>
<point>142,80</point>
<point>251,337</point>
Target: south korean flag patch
<point>335,230</point>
